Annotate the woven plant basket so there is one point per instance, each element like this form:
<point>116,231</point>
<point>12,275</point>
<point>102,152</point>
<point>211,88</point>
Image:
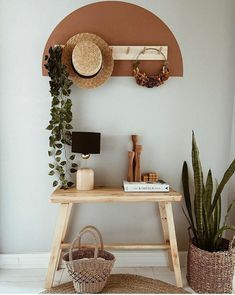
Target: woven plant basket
<point>89,268</point>
<point>211,272</point>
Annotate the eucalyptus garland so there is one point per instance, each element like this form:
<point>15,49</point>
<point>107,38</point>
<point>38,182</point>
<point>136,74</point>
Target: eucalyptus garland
<point>62,165</point>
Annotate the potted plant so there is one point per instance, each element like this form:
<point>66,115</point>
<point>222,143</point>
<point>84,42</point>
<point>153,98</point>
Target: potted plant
<point>210,264</point>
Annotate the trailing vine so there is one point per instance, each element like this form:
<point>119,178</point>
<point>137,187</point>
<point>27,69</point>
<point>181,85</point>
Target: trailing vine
<point>62,165</point>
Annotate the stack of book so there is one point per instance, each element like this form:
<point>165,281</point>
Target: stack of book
<point>159,186</point>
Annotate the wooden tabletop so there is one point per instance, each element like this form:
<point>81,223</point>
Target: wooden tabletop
<point>111,194</point>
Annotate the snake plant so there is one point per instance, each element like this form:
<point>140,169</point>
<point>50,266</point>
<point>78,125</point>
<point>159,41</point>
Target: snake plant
<point>204,209</point>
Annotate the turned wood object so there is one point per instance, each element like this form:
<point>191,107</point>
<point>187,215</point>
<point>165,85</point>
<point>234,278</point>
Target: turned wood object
<point>131,156</point>
<point>134,138</point>
<point>138,149</point>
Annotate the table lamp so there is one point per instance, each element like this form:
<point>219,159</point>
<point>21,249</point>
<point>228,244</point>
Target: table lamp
<point>86,143</point>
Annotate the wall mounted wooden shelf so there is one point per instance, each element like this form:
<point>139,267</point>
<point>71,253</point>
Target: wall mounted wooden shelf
<point>121,24</point>
<point>131,52</point>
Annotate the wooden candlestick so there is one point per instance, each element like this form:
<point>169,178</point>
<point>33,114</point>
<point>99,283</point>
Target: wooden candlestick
<point>138,149</point>
<point>134,138</point>
<point>131,156</point>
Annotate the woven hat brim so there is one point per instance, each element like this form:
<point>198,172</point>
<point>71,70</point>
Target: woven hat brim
<point>107,60</point>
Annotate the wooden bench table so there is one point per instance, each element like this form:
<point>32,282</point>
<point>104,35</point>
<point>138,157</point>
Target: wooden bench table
<point>67,198</point>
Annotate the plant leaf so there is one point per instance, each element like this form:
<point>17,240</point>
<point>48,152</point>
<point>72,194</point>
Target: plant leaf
<point>227,175</point>
<point>51,166</point>
<point>228,210</point>
<point>208,190</point>
<point>187,194</point>
<point>68,126</point>
<point>59,145</point>
<point>72,157</point>
<point>199,188</point>
<point>49,127</point>
<point>50,153</point>
<point>51,172</point>
<point>55,183</point>
<point>207,197</point>
<point>217,215</point>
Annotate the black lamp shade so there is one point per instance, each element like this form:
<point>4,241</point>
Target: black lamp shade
<point>86,142</point>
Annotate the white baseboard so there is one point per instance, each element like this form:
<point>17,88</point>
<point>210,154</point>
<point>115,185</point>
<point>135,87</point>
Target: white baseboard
<point>123,259</point>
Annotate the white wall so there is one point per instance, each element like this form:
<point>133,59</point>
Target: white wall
<point>202,100</point>
<point>232,182</point>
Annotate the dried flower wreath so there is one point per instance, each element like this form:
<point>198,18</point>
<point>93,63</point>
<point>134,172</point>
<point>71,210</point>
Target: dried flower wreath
<point>151,81</point>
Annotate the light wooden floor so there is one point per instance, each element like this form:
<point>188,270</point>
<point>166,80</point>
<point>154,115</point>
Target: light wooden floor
<point>32,280</point>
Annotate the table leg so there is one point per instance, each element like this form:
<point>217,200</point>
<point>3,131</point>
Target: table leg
<point>64,231</point>
<point>173,244</point>
<point>56,245</point>
<point>165,230</point>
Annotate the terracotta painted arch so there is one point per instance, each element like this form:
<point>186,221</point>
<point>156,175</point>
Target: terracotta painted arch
<point>120,23</point>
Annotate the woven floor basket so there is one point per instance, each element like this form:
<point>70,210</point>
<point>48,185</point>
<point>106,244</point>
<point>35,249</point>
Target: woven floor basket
<point>89,268</point>
<point>210,272</point>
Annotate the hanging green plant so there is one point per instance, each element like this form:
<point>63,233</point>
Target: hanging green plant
<point>62,165</point>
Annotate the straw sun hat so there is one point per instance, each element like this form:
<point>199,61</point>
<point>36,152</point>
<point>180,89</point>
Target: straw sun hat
<point>88,59</point>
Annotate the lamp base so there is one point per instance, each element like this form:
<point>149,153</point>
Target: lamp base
<point>85,179</point>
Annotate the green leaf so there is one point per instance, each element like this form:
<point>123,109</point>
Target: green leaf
<point>59,145</point>
<point>190,223</point>
<point>187,193</point>
<point>64,184</point>
<point>72,157</point>
<point>51,172</point>
<point>49,127</point>
<point>51,166</point>
<point>72,170</point>
<point>58,153</point>
<point>227,175</point>
<point>199,187</point>
<point>217,215</point>
<point>55,183</point>
<point>228,210</point>
<point>50,153</point>
<point>74,165</point>
<point>68,126</point>
<point>208,190</point>
<point>55,101</point>
<point>63,163</point>
<point>59,168</point>
<point>62,176</point>
<point>57,159</point>
<point>207,197</point>
<point>222,229</point>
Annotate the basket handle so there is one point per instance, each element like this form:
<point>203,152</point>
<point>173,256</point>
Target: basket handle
<point>231,246</point>
<point>96,235</point>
